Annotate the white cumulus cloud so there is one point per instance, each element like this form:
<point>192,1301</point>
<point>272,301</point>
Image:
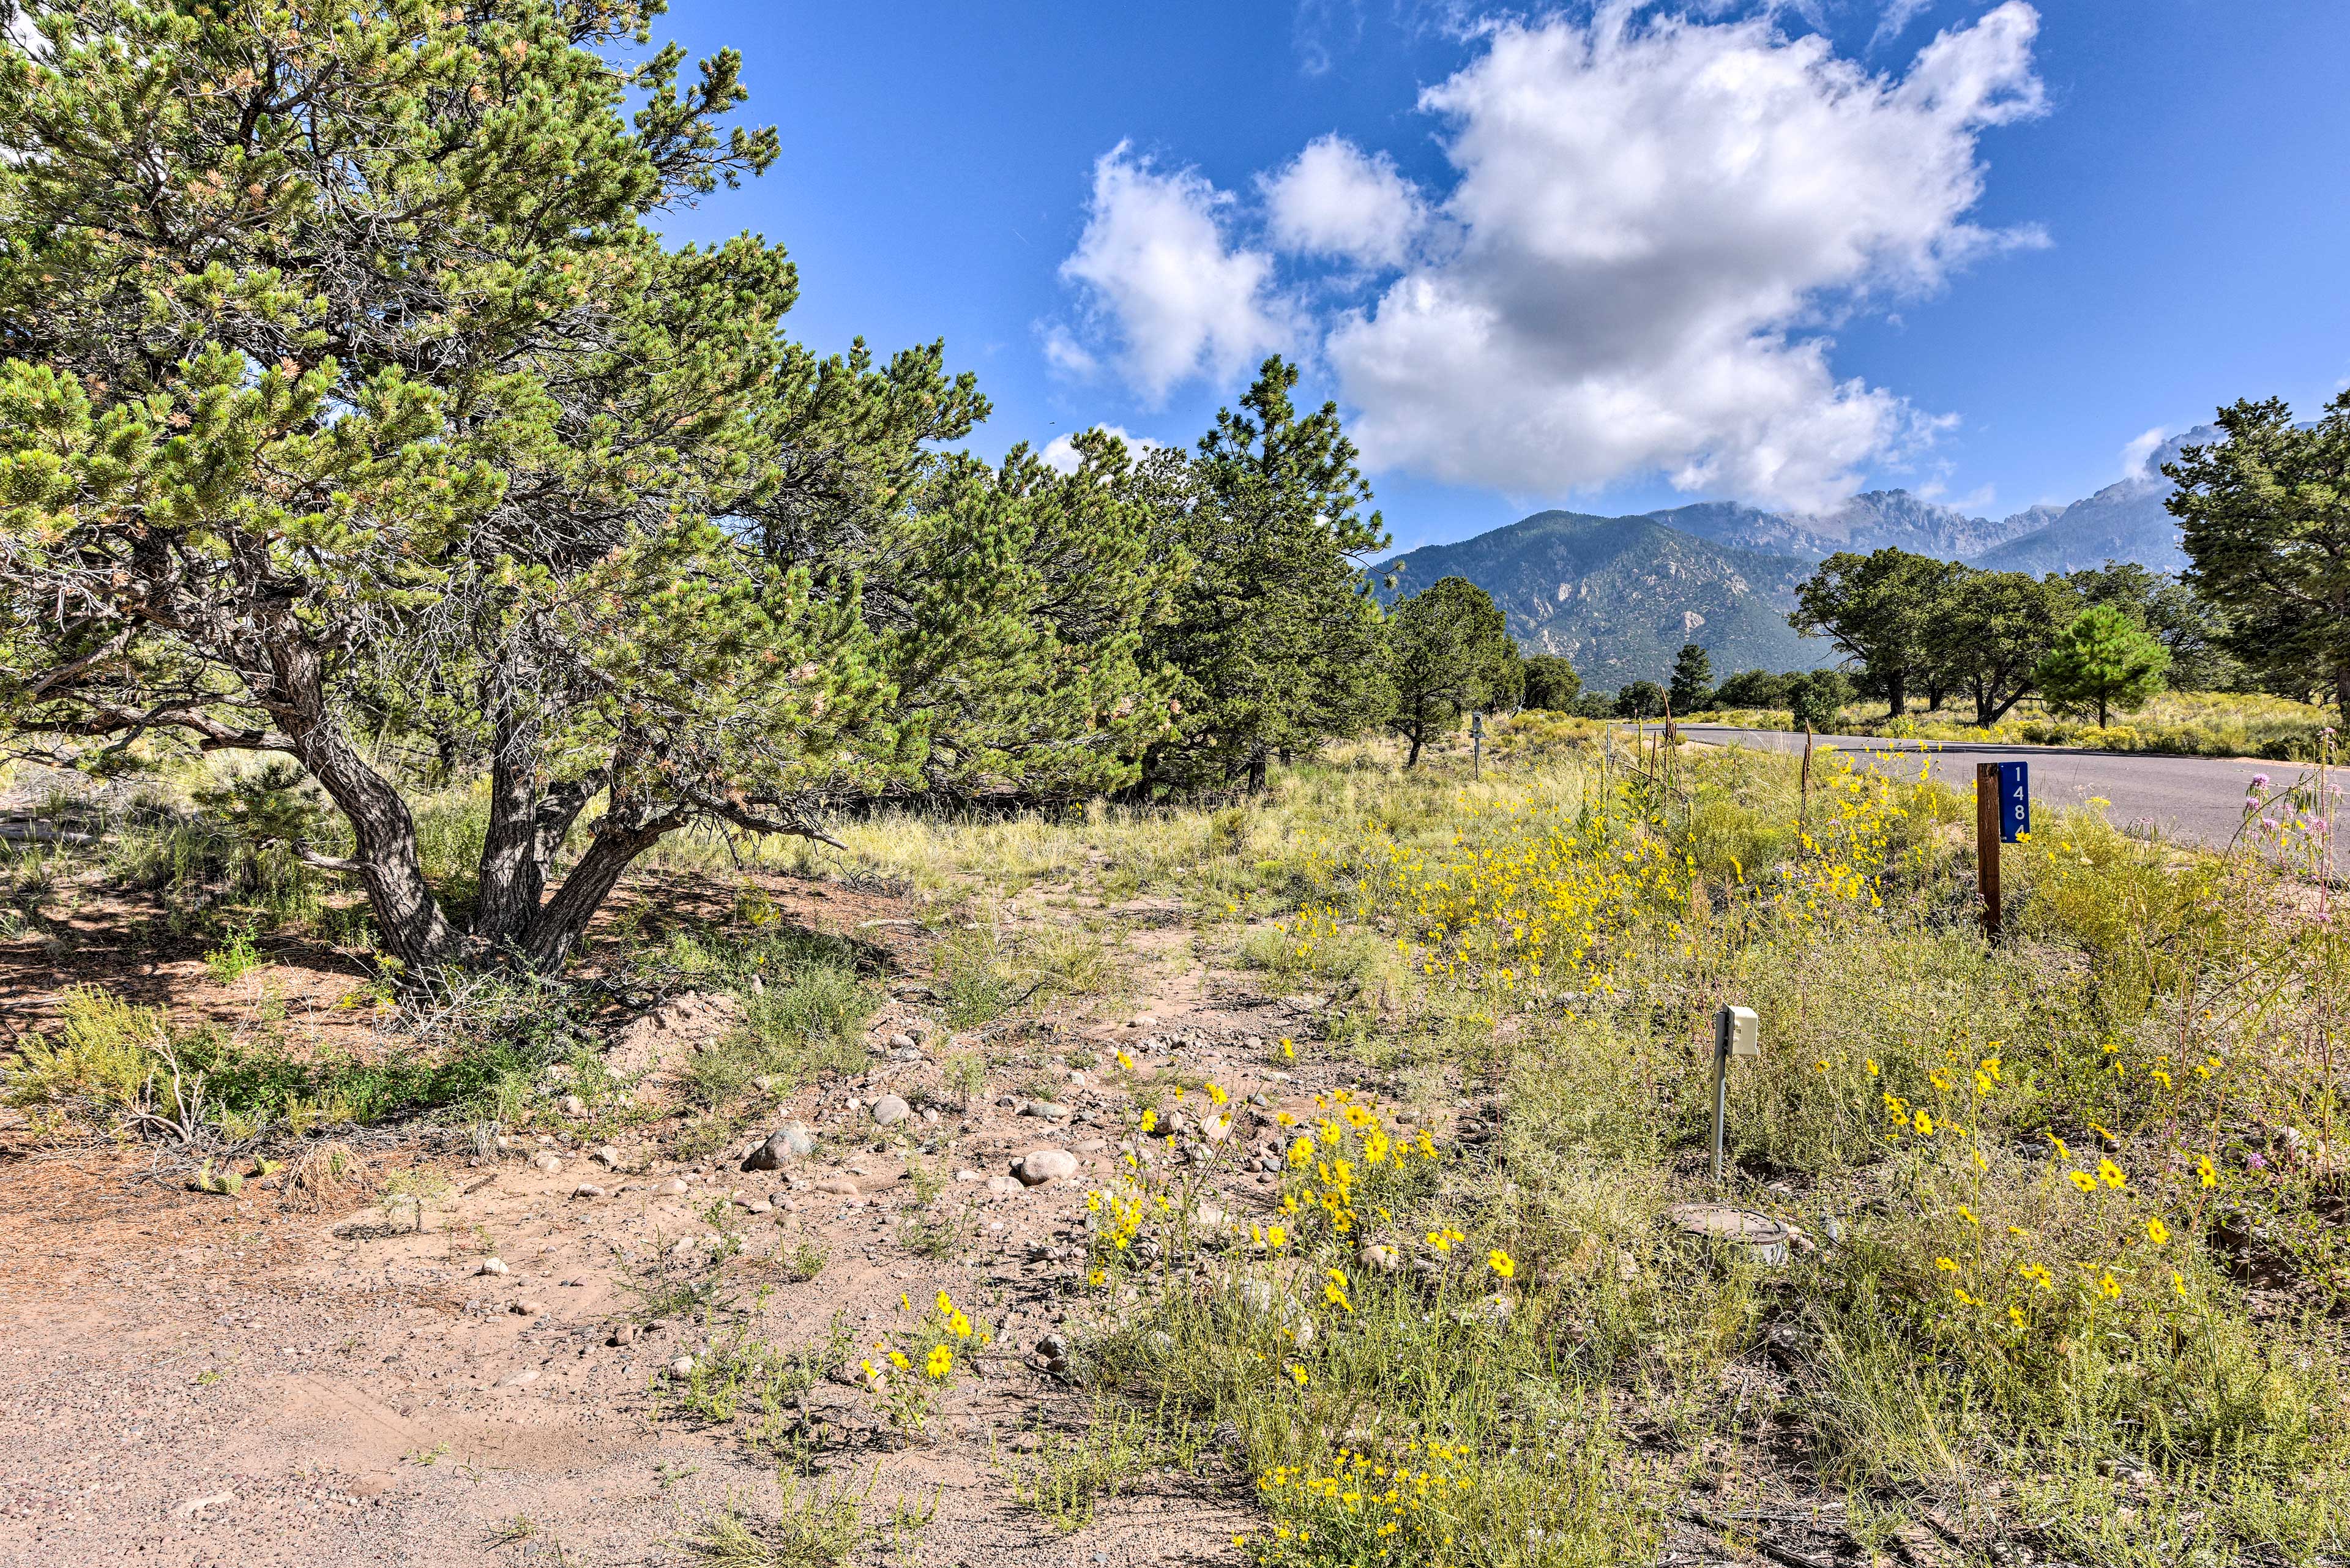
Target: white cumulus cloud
<point>1157,265</point>
<point>1653,220</point>
<point>2140,448</point>
<point>1061,452</point>
<point>1334,200</point>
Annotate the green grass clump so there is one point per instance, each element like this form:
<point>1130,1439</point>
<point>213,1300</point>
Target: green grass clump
<point>111,1067</point>
<point>815,1525</point>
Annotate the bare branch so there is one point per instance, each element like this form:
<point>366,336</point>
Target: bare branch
<point>311,857</point>
<point>71,668</point>
<point>741,812</point>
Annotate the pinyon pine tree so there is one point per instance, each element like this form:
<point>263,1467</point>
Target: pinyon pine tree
<point>1552,683</point>
<point>1448,651</point>
<point>1880,608</point>
<point>346,390</point>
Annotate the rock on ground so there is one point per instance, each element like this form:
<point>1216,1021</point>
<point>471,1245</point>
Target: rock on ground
<point>1039,1166</point>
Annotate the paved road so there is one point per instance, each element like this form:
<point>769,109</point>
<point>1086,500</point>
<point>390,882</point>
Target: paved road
<point>2197,800</point>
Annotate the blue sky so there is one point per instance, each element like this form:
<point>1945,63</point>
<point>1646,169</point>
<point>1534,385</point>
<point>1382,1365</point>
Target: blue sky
<point>1611,257</point>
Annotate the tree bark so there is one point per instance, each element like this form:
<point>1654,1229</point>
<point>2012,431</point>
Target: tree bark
<point>2004,706</point>
<point>618,844</point>
<point>1412,761</point>
<point>407,917</point>
<point>513,878</point>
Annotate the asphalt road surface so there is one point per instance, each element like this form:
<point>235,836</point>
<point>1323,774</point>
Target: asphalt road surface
<point>2193,800</point>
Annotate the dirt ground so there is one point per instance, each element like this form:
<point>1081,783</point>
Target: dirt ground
<point>233,1381</point>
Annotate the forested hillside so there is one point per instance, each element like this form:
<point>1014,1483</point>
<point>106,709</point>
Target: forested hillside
<point>1619,596</point>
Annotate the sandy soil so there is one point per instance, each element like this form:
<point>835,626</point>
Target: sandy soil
<point>187,1378</point>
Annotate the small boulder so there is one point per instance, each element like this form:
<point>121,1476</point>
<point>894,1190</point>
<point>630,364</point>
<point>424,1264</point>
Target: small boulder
<point>791,1141</point>
<point>544,1160</point>
<point>491,1266</point>
<point>1004,1184</point>
<point>1767,1240</point>
<point>673,1188</point>
<point>889,1110</point>
<point>607,1156</point>
<point>1039,1166</point>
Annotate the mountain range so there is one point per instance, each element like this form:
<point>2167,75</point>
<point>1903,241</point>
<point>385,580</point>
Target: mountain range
<point>1619,596</point>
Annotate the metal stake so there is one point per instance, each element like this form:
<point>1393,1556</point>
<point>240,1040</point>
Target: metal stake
<point>1736,1032</point>
<point>1720,1086</point>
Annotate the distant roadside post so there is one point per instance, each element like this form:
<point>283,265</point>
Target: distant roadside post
<point>1476,746</point>
<point>1804,788</point>
<point>2002,814</point>
<point>1736,1032</point>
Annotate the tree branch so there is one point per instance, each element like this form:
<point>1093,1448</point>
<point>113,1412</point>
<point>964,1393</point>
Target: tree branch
<point>742,814</point>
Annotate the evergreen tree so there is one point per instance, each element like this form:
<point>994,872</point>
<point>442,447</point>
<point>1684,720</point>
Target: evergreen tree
<point>1991,632</point>
<point>347,388</point>
<point>1639,700</point>
<point>2103,660</point>
<point>2184,621</point>
<point>1815,701</point>
<point>2264,517</point>
<point>1552,683</point>
<point>1880,609</point>
<point>1692,684</point>
<point>1273,631</point>
<point>1448,651</point>
<point>1753,688</point>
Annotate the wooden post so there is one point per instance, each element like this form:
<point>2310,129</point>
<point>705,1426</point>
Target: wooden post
<point>1987,844</point>
<point>1803,795</point>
